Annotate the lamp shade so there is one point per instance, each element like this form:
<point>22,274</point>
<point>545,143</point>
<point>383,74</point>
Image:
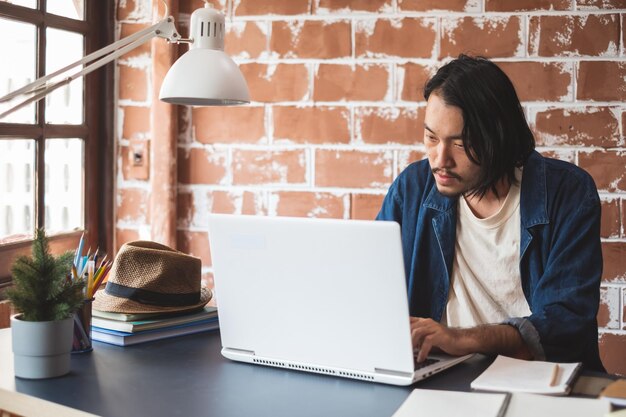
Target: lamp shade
<point>205,75</point>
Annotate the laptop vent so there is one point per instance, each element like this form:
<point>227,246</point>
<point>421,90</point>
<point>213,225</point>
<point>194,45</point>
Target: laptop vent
<point>270,363</point>
<point>353,375</point>
<point>316,369</point>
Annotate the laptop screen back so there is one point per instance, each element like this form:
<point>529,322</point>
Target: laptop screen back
<point>317,291</point>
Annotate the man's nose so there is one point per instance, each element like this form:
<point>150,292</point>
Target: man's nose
<point>443,157</point>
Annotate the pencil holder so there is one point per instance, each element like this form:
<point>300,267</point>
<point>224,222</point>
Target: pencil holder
<point>82,328</point>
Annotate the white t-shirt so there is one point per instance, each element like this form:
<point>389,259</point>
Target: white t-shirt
<point>486,283</point>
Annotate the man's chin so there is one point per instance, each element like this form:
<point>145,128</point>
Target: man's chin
<point>449,191</point>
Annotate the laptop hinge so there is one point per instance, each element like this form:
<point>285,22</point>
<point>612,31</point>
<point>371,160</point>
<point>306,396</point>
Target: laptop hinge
<point>393,373</point>
<point>240,351</point>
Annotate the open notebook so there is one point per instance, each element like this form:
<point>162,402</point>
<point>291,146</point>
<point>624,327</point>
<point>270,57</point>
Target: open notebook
<point>538,377</point>
<point>316,295</point>
<point>423,402</point>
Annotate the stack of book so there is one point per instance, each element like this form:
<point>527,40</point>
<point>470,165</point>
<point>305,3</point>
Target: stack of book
<point>129,329</point>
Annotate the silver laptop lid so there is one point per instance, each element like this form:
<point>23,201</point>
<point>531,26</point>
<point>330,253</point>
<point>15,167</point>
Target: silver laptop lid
<point>324,292</point>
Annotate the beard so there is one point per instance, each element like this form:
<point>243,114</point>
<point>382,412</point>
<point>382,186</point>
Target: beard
<point>457,188</point>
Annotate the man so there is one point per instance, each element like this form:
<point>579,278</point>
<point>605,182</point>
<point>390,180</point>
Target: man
<point>501,245</point>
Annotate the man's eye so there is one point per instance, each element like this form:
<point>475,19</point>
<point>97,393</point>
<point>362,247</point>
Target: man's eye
<point>459,145</point>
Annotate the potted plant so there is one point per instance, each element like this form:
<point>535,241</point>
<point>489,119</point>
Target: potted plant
<point>45,299</point>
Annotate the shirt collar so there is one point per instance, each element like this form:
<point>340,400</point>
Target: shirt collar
<point>533,204</point>
<point>534,195</point>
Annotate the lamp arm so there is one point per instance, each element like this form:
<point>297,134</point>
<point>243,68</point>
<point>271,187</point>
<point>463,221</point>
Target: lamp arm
<point>40,88</point>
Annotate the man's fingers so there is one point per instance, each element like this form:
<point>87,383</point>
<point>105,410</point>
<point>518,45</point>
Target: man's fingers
<point>424,350</point>
<point>417,334</point>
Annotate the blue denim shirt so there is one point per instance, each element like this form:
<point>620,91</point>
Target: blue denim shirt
<point>560,253</point>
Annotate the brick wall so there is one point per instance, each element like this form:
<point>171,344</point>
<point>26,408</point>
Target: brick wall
<point>337,110</point>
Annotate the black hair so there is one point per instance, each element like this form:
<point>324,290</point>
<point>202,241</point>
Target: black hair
<point>495,133</point>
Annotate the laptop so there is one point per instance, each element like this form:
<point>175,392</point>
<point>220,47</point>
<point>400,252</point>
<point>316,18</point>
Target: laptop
<point>317,295</point>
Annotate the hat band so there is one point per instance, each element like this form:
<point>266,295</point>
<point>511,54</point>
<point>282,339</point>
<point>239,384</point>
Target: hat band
<point>151,297</point>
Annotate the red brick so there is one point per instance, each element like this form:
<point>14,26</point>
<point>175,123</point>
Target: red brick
<point>133,83</point>
<point>609,312</point>
<point>622,47</point>
<point>601,81</point>
<point>431,5</point>
<point>201,166</point>
<point>281,7</point>
<point>623,134</point>
<point>335,82</point>
<point>123,236</point>
<point>384,37</point>
<point>136,122</point>
<point>126,10</point>
<point>489,37</point>
<point>613,255</point>
<point>269,167</point>
<point>195,244</point>
<point>591,126</point>
<point>413,80</point>
<point>540,81</point>
<point>600,4</point>
<point>274,83</point>
<point>128,29</point>
<point>308,204</point>
<point>133,205</point>
<point>612,353</point>
<point>311,39</point>
<point>365,206</point>
<point>610,219</point>
<point>237,202</point>
<point>407,157</point>
<point>526,5</point>
<point>346,6</point>
<point>355,169</point>
<point>245,39</point>
<point>227,202</point>
<point>592,35</point>
<point>382,125</point>
<point>312,124</point>
<point>608,169</point>
<point>131,171</point>
<point>192,207</point>
<point>229,124</point>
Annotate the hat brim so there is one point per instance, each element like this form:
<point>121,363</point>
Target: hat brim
<point>111,303</point>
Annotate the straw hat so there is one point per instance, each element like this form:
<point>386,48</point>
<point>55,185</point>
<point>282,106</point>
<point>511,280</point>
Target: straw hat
<point>148,277</point>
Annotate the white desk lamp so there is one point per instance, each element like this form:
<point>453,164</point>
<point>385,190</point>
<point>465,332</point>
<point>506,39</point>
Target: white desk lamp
<point>203,76</point>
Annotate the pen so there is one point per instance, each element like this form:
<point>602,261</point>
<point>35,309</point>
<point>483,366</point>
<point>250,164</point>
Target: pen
<point>79,251</point>
<point>555,373</point>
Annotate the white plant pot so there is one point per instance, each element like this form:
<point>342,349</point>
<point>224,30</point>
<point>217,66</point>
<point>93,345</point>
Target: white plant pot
<point>41,349</point>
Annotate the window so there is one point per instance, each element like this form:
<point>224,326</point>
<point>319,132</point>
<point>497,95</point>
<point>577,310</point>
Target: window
<point>52,151</point>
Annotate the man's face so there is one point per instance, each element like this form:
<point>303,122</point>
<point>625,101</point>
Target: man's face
<point>454,172</point>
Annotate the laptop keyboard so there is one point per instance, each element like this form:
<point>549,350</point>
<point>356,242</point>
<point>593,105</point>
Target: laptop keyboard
<point>420,365</point>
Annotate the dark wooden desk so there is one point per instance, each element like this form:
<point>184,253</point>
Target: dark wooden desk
<point>187,376</point>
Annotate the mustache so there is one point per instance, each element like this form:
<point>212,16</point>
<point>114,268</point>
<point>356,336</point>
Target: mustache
<point>445,172</point>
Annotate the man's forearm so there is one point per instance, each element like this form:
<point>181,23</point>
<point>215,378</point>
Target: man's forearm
<point>491,339</point>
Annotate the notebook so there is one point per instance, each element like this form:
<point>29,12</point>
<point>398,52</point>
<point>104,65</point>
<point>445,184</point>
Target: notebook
<point>317,295</point>
<point>423,402</point>
<point>537,377</point>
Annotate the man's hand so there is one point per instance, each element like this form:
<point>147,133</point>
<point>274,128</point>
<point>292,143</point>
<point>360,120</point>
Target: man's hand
<point>488,339</point>
<point>427,333</point>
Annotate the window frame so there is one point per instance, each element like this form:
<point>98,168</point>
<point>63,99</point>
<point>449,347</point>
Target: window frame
<point>96,131</point>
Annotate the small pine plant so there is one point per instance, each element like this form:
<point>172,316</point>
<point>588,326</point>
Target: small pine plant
<point>42,291</point>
